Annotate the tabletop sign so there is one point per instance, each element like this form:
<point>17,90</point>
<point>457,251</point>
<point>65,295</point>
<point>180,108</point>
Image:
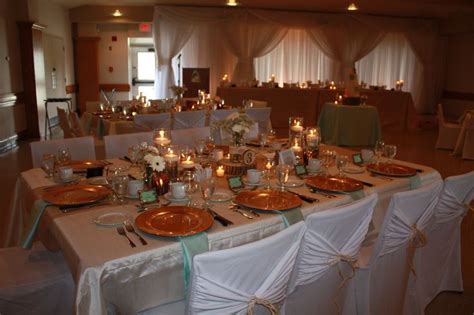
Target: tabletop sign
<point>235,182</point>
<point>248,157</point>
<point>300,170</point>
<point>357,159</point>
<point>287,157</point>
<point>147,196</point>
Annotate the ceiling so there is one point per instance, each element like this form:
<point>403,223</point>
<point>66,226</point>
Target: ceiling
<point>407,8</point>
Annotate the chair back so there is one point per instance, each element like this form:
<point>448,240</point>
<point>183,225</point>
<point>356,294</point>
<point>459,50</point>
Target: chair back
<point>215,116</point>
<point>191,119</point>
<point>454,200</point>
<point>235,280</point>
<point>92,106</point>
<point>403,231</point>
<point>81,148</point>
<point>188,137</point>
<point>116,146</point>
<point>261,116</point>
<point>64,123</point>
<point>76,125</point>
<point>153,121</point>
<point>327,257</point>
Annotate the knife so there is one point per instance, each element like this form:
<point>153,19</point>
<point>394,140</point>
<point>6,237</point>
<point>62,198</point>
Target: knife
<point>304,198</point>
<point>218,217</point>
<point>67,208</point>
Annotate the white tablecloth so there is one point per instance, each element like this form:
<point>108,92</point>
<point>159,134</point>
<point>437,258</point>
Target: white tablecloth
<point>109,272</point>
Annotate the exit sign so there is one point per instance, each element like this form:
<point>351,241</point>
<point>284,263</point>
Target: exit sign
<point>145,27</point>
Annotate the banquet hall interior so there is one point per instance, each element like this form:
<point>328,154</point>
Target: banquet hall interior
<point>240,156</point>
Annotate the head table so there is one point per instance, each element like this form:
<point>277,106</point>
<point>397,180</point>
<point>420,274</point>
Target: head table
<point>109,272</point>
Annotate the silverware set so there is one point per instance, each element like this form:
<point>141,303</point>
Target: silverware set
<point>322,193</point>
<point>130,229</point>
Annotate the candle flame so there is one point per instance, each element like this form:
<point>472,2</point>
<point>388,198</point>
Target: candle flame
<point>162,133</point>
<point>161,182</point>
<point>188,158</point>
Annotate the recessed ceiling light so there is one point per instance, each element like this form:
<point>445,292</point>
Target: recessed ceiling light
<point>117,13</point>
<point>232,3</point>
<point>352,7</point>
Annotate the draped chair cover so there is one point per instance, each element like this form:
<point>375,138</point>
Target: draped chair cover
<point>439,262</point>
<point>188,137</point>
<point>328,253</point>
<point>81,148</point>
<point>64,123</point>
<point>382,277</point>
<point>232,281</point>
<point>116,146</point>
<point>261,116</point>
<point>192,119</point>
<point>153,121</point>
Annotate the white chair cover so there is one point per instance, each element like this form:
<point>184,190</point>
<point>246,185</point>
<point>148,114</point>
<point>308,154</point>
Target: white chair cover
<point>327,256</point>
<point>81,148</point>
<point>121,129</point>
<point>465,141</point>
<point>216,115</point>
<point>232,281</point>
<point>381,281</point>
<point>447,132</point>
<point>188,137</point>
<point>116,146</point>
<point>153,121</point>
<point>35,282</point>
<point>438,264</point>
<point>261,116</point>
<point>64,123</point>
<point>191,119</point>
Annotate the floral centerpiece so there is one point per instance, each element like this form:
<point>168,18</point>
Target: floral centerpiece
<point>178,91</point>
<point>236,124</point>
<point>155,175</point>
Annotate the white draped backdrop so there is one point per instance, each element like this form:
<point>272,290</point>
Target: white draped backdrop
<point>296,46</point>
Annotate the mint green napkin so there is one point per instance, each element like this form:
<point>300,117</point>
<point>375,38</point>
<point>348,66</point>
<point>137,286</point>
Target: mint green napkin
<point>356,195</point>
<point>191,246</point>
<point>292,216</point>
<point>415,182</point>
<point>32,227</point>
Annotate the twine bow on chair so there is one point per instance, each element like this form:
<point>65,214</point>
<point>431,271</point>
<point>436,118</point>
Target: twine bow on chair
<point>351,262</point>
<point>264,302</point>
<point>417,240</point>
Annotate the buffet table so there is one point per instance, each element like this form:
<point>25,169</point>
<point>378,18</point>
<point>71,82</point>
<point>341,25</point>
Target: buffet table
<point>349,125</point>
<point>109,273</point>
<point>396,108</point>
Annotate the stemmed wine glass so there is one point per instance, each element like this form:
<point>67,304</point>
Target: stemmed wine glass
<point>269,168</point>
<point>47,164</point>
<point>64,156</point>
<point>271,135</point>
<point>283,173</point>
<point>390,152</point>
<point>263,139</point>
<point>341,162</point>
<point>327,157</point>
<point>379,150</point>
<point>207,187</point>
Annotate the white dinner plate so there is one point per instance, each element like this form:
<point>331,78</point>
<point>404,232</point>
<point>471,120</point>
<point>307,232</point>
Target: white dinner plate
<point>221,196</point>
<point>294,182</point>
<point>246,183</point>
<point>169,197</point>
<point>114,218</point>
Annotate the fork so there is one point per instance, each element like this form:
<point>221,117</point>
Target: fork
<point>122,232</point>
<point>131,229</point>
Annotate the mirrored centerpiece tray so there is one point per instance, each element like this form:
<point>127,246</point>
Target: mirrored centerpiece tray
<point>334,183</point>
<point>391,169</point>
<point>268,200</point>
<point>79,194</point>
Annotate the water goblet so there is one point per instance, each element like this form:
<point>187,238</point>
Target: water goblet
<point>207,188</point>
<point>341,162</point>
<point>200,146</point>
<point>283,173</point>
<point>379,150</point>
<point>210,144</point>
<point>263,139</point>
<point>269,168</point>
<point>390,152</point>
<point>47,164</point>
<point>120,186</point>
<point>64,156</point>
<point>271,136</point>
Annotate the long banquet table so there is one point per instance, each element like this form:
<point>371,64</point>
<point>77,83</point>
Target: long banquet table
<point>396,108</point>
<point>111,274</point>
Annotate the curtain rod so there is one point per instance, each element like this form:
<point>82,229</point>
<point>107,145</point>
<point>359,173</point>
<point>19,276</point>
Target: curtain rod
<point>303,11</point>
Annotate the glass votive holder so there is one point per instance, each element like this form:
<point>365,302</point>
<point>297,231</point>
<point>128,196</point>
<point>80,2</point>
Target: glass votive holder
<point>296,125</point>
<point>161,137</point>
<point>312,137</point>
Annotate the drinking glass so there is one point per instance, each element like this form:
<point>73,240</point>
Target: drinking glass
<point>134,154</point>
<point>263,139</point>
<point>379,150</point>
<point>207,187</point>
<point>64,156</point>
<point>210,144</point>
<point>110,172</point>
<point>120,186</point>
<point>47,164</point>
<point>341,162</point>
<point>283,173</point>
<point>271,135</point>
<point>327,157</point>
<point>200,146</point>
<point>269,168</point>
<point>390,152</point>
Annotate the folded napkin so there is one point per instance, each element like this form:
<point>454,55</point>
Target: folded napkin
<point>415,182</point>
<point>32,227</point>
<point>292,216</point>
<point>191,246</point>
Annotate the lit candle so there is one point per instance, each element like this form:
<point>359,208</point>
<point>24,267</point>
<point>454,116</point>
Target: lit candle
<point>220,171</point>
<point>297,127</point>
<point>268,166</point>
<point>311,136</point>
<point>272,78</point>
<point>188,163</point>
<point>171,157</point>
<point>161,139</point>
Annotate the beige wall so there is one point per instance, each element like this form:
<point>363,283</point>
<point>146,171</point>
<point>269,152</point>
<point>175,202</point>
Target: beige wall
<point>460,63</point>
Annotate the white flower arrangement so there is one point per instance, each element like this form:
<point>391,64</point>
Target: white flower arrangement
<point>156,162</point>
<point>236,124</point>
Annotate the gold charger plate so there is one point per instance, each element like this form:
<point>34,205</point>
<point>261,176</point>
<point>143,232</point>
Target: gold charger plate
<point>390,169</point>
<point>334,183</point>
<point>174,221</point>
<point>83,165</point>
<point>71,195</point>
<point>268,200</point>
